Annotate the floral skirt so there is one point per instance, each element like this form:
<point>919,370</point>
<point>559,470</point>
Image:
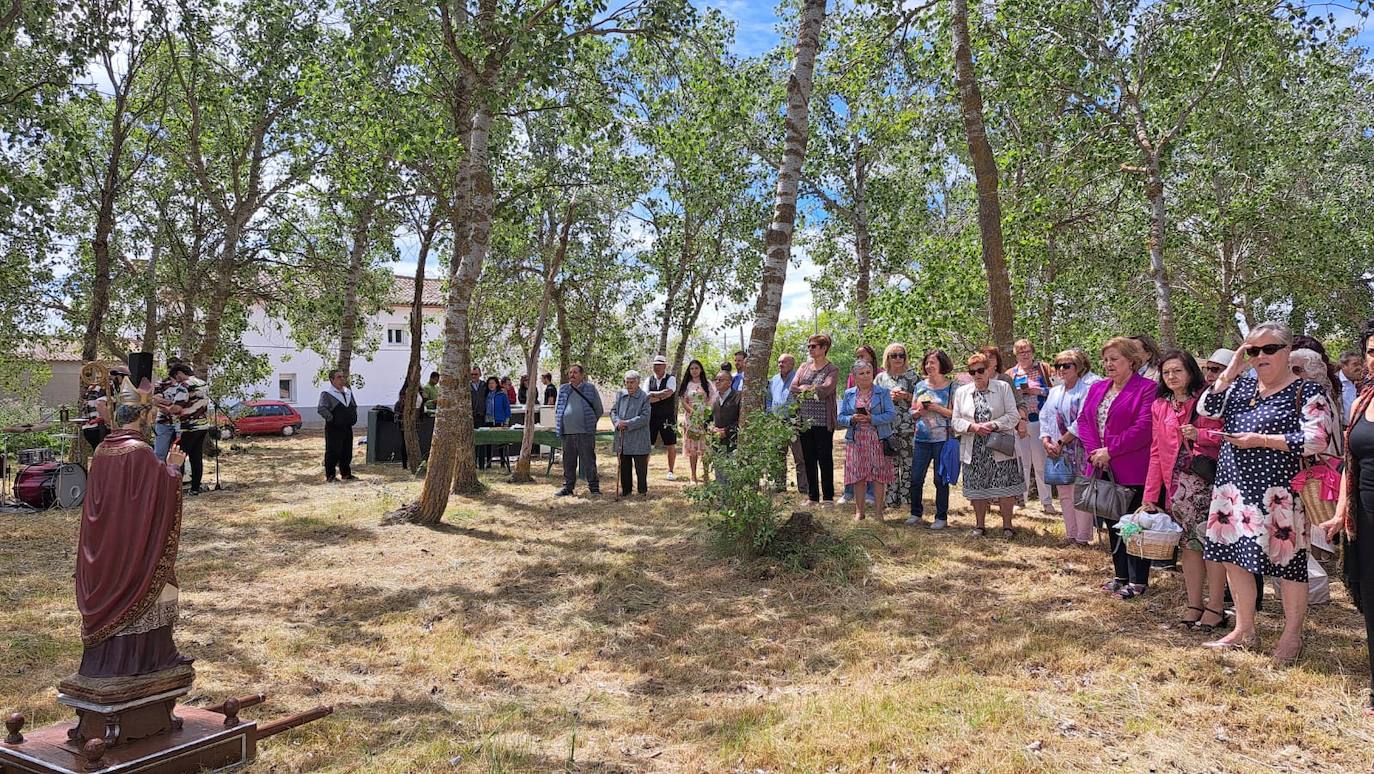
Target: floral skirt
<point>864,460</point>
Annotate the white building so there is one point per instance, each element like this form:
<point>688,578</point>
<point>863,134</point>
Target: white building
<point>295,373</point>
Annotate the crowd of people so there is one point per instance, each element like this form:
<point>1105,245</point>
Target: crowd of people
<point>1260,459</point>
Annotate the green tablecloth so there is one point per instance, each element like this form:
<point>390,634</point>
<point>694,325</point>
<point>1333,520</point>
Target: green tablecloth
<point>503,436</point>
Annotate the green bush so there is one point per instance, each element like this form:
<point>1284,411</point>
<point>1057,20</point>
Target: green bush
<point>745,512</point>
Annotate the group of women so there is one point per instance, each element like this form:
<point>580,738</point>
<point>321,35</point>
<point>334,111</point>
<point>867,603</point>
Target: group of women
<point>1218,451</point>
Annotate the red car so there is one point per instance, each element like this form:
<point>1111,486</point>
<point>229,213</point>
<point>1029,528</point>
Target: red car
<point>259,417</point>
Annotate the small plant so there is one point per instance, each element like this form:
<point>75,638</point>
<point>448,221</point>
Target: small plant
<point>743,512</point>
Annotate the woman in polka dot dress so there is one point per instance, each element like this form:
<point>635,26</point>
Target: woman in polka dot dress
<point>1256,523</point>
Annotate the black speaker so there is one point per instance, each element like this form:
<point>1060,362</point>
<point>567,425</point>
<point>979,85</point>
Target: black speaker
<point>140,367</point>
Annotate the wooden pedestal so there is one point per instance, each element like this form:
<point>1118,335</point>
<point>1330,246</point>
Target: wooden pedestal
<point>202,742</point>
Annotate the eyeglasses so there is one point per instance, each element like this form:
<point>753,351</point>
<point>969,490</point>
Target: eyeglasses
<point>976,371</point>
<point>1213,369</point>
<point>1267,349</point>
<point>1062,366</point>
<point>813,346</point>
<point>898,356</point>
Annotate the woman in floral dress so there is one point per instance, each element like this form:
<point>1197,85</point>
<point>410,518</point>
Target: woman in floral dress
<point>901,382</point>
<point>697,395</point>
<point>1256,522</point>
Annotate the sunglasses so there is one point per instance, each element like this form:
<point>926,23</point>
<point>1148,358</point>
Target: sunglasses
<point>1267,349</point>
<point>976,371</point>
<point>1062,366</point>
<point>898,356</point>
<point>813,346</point>
<point>1213,369</point>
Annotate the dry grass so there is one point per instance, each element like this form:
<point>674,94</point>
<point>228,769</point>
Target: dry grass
<point>534,634</point>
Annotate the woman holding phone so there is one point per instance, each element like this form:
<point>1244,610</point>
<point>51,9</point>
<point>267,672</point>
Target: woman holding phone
<point>867,413</point>
<point>1256,522</point>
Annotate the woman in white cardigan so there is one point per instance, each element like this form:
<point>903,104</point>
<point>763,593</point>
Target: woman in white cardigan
<point>985,407</point>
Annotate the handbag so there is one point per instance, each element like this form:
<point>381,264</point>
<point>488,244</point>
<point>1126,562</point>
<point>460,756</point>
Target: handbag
<point>1318,485</point>
<point>1102,497</point>
<point>1201,465</point>
<point>1060,470</point>
<point>1002,443</point>
<point>888,449</point>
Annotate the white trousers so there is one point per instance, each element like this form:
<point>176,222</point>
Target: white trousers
<point>1031,452</point>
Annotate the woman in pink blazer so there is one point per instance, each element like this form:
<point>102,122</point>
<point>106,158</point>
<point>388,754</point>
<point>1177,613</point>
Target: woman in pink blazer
<point>1115,428</point>
<point>1181,436</point>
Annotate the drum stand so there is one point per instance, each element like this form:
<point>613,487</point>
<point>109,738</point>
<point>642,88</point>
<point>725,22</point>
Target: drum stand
<point>7,499</point>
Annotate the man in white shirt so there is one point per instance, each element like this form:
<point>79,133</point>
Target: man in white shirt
<point>1352,377</point>
<point>662,389</point>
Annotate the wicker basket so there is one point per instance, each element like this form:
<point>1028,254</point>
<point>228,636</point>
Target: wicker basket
<point>1318,510</point>
<point>1153,544</point>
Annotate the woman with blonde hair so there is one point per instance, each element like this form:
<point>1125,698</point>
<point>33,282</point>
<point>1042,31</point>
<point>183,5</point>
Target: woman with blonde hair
<point>900,381</point>
<point>1115,428</point>
<point>1059,436</point>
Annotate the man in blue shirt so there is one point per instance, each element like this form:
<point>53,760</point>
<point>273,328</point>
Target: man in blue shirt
<point>1352,377</point>
<point>737,384</point>
<point>575,416</point>
<point>779,400</point>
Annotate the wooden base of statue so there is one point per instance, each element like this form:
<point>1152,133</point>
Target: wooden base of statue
<point>129,725</point>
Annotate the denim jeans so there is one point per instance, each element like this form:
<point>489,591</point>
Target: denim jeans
<point>923,455</point>
<point>162,439</point>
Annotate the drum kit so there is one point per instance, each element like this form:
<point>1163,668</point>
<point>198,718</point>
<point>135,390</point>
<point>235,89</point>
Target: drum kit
<point>41,480</point>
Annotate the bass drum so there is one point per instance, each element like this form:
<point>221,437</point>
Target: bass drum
<point>51,483</point>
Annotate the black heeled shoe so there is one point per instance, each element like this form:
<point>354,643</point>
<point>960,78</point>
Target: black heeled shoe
<point>1198,625</point>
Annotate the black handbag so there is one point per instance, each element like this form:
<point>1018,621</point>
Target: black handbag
<point>1102,497</point>
<point>888,449</point>
<point>1201,465</point>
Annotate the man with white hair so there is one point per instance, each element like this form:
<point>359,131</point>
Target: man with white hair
<point>662,390</point>
<point>630,416</point>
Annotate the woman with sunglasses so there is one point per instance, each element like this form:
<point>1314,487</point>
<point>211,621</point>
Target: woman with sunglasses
<point>901,383</point>
<point>1183,453</point>
<point>1256,523</point>
<point>814,387</point>
<point>1059,436</point>
<point>1355,508</point>
<point>982,408</point>
<point>1114,426</point>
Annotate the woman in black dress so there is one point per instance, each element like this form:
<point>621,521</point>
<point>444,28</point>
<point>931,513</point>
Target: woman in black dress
<point>1355,509</point>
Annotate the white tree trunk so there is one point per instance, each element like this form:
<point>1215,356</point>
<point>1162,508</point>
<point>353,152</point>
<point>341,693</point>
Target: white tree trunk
<point>778,238</point>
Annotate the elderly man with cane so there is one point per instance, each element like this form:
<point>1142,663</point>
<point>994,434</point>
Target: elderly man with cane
<point>630,416</point>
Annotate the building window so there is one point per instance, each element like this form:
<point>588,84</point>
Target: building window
<point>286,388</point>
<point>397,336</point>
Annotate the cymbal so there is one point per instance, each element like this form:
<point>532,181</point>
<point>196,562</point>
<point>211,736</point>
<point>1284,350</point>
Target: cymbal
<point>31,428</point>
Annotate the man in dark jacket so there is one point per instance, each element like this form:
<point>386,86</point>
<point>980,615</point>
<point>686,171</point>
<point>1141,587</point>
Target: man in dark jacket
<point>725,417</point>
<point>479,411</point>
<point>340,413</point>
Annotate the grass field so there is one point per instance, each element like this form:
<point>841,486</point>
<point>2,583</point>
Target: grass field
<point>530,633</point>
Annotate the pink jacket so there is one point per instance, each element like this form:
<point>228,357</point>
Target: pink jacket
<point>1167,437</point>
<point>1127,435</point>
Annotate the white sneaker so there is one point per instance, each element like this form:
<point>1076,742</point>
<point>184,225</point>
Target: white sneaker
<point>671,477</point>
<point>938,524</point>
<point>845,500</point>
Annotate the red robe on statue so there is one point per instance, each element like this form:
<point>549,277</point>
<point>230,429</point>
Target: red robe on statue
<point>125,567</point>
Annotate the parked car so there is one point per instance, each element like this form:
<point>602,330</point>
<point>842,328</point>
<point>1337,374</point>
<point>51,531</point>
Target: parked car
<point>259,417</point>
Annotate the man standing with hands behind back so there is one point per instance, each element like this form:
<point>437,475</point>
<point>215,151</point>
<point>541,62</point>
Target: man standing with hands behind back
<point>340,412</point>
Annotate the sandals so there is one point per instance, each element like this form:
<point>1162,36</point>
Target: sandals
<point>1113,586</point>
<point>1008,533</point>
<point>1192,623</point>
<point>978,532</point>
<point>1198,625</point>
